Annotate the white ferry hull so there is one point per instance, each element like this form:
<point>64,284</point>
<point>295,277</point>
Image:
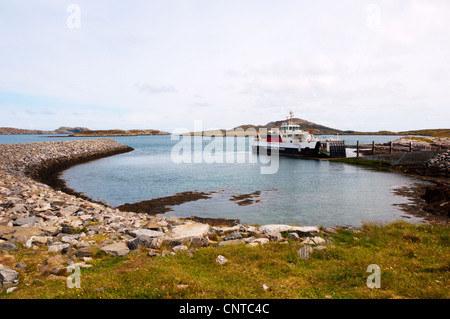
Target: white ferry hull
<point>305,149</point>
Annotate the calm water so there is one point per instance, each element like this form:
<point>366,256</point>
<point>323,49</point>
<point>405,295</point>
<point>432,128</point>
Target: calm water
<point>302,191</point>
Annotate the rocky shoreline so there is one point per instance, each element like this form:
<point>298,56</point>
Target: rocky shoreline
<point>73,230</point>
<point>436,167</point>
<point>428,202</point>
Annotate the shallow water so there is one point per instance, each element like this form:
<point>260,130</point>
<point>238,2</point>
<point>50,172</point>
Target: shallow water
<point>301,191</point>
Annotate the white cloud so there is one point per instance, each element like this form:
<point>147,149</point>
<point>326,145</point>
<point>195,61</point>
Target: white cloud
<point>168,63</point>
<point>146,88</point>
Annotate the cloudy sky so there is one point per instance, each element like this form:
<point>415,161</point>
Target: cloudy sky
<point>348,64</point>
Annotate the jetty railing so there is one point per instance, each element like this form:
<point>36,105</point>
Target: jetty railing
<point>390,148</point>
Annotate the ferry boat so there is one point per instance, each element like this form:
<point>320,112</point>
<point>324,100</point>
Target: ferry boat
<point>290,139</point>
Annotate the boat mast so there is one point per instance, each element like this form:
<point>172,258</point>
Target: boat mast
<point>291,116</point>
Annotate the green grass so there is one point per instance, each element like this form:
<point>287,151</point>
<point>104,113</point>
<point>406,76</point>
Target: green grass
<point>362,161</point>
<point>420,139</point>
<point>414,261</point>
<point>429,132</point>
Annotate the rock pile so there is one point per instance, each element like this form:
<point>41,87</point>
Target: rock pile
<point>440,161</point>
<point>36,159</point>
<point>36,216</point>
<point>424,143</point>
<point>438,166</point>
<point>437,199</point>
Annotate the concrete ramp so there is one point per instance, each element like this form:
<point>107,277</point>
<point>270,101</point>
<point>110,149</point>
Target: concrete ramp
<point>404,158</point>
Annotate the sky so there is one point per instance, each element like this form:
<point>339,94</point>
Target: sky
<point>159,64</point>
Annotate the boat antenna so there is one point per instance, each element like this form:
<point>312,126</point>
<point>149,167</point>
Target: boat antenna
<point>291,116</point>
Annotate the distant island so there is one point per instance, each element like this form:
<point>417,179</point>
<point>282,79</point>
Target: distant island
<point>241,130</point>
<point>317,129</point>
<point>81,131</point>
<point>116,132</point>
<point>61,130</point>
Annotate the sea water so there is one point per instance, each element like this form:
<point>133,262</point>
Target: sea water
<point>301,191</point>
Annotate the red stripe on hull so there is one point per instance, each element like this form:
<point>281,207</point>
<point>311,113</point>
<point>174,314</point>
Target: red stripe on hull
<point>274,139</point>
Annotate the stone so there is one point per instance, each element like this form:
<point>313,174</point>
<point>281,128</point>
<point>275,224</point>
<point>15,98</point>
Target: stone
<point>318,240</point>
<point>57,203</point>
<point>233,235</point>
<point>293,236</point>
<point>200,241</point>
<point>221,260</point>
<point>305,252</point>
<point>145,232</point>
<point>153,253</point>
<point>18,208</point>
<point>8,277</point>
<point>22,235</point>
<point>50,230</point>
<point>70,239</point>
<point>69,210</point>
<point>6,232</point>
<point>8,246</point>
<point>13,200</point>
<point>313,241</point>
<point>10,290</point>
<point>144,241</point>
<point>66,250</point>
<point>261,241</point>
<point>180,248</point>
<point>57,247</point>
<point>40,240</point>
<point>223,230</point>
<point>152,225</point>
<point>330,230</point>
<point>26,221</point>
<point>67,229</point>
<point>302,231</point>
<point>44,206</point>
<point>186,232</point>
<point>133,244</point>
<point>156,243</point>
<point>116,249</point>
<point>84,252</point>
<point>21,266</point>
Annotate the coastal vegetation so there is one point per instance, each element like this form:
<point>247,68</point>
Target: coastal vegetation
<point>414,260</point>
<point>425,132</point>
<point>364,162</point>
